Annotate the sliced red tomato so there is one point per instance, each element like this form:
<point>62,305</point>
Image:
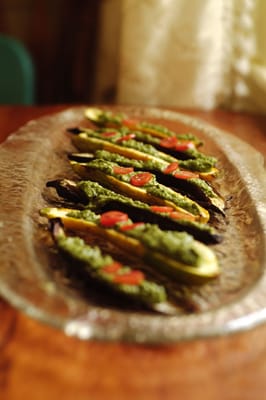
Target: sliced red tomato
<point>122,170</point>
<point>169,142</point>
<point>183,146</point>
<point>162,209</point>
<point>110,218</point>
<point>171,168</point>
<point>126,137</point>
<point>131,226</point>
<point>141,178</point>
<point>186,175</point>
<point>180,215</point>
<point>130,122</point>
<point>109,134</point>
<point>112,268</point>
<point>130,278</point>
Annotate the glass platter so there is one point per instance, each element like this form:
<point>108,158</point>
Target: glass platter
<point>31,280</point>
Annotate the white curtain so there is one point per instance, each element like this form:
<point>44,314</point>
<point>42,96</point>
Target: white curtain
<point>185,53</point>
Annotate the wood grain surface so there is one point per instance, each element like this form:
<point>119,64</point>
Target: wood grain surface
<point>40,363</point>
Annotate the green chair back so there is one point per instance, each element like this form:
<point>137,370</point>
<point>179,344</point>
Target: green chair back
<point>17,74</point>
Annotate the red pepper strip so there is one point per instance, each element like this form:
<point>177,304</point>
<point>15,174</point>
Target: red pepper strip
<point>185,175</point>
<point>141,179</point>
<point>109,134</point>
<point>126,137</point>
<point>110,218</point>
<point>112,268</point>
<point>122,170</point>
<point>171,167</point>
<point>130,123</point>
<point>161,209</point>
<point>179,215</point>
<point>130,278</point>
<point>131,226</point>
<point>169,142</point>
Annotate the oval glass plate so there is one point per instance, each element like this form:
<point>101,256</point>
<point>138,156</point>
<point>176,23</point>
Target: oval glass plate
<point>33,281</point>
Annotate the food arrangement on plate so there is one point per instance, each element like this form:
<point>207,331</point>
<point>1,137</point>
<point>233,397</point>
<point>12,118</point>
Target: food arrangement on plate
<point>149,192</point>
<point>132,223</point>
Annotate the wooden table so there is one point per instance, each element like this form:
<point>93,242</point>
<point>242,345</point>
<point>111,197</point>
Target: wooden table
<point>38,362</point>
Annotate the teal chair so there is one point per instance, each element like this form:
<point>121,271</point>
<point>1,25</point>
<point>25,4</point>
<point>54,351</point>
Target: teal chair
<point>17,74</point>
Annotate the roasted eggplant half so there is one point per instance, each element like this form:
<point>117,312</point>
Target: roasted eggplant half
<point>171,175</point>
<point>88,140</point>
<point>92,195</point>
<point>178,145</point>
<point>108,119</point>
<point>139,185</point>
<point>175,254</point>
<point>109,272</point>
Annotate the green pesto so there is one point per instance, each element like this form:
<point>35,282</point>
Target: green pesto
<point>167,132</point>
<point>147,149</point>
<point>195,154</point>
<point>87,215</point>
<point>199,164</point>
<point>108,117</point>
<point>177,245</point>
<point>147,138</point>
<point>76,247</point>
<point>93,261</point>
<point>154,140</point>
<point>100,195</point>
<point>190,137</point>
<point>152,187</point>
<point>179,200</point>
<point>155,127</point>
<point>150,164</point>
<point>98,134</point>
<point>102,165</point>
<point>207,189</point>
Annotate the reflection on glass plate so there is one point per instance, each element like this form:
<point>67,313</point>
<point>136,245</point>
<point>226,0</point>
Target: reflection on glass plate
<point>34,281</point>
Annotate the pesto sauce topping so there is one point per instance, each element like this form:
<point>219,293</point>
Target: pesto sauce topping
<point>155,164</point>
<point>109,117</point>
<point>195,154</point>
<point>189,137</point>
<point>147,149</point>
<point>175,197</point>
<point>207,189</point>
<point>199,164</point>
<point>101,195</point>
<point>76,247</point>
<point>87,215</point>
<point>147,138</point>
<point>158,128</point>
<point>178,245</point>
